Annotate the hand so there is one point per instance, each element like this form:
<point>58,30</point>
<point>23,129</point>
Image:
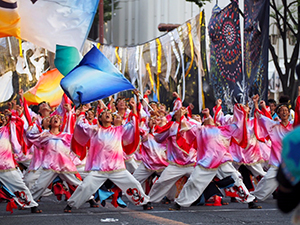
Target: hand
<point>191,106</point>
<point>7,112</point>
<point>19,110</point>
<point>12,105</point>
<point>262,104</point>
<point>205,112</point>
<point>219,102</point>
<point>148,92</point>
<point>83,108</point>
<point>136,93</point>
<point>67,107</point>
<point>21,93</point>
<point>132,104</point>
<point>255,98</point>
<point>175,94</point>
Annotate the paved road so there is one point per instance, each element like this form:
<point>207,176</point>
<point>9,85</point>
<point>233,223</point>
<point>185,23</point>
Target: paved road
<point>232,214</point>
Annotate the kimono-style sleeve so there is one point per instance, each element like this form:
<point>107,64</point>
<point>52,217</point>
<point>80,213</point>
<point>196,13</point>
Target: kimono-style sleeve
<point>131,135</point>
<point>16,137</point>
<point>238,129</point>
<point>219,116</point>
<point>186,135</point>
<point>83,131</point>
<point>262,126</point>
<point>61,111</point>
<point>162,133</point>
<point>177,104</point>
<point>34,135</point>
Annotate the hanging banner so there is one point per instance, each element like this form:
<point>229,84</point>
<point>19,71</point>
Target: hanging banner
<point>256,42</point>
<point>226,55</point>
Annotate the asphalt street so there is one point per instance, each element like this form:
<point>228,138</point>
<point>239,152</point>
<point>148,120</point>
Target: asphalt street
<point>232,214</point>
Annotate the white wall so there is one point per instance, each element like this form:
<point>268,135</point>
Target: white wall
<point>136,21</point>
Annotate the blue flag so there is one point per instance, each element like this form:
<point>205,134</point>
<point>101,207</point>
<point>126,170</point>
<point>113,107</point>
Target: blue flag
<point>94,78</point>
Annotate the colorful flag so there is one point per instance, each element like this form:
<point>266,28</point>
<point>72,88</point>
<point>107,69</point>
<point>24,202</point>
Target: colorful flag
<point>226,55</point>
<point>9,19</point>
<point>47,89</point>
<point>66,58</point>
<point>256,47</point>
<point>48,22</point>
<point>94,78</point>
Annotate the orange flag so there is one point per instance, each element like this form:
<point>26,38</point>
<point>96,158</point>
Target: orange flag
<point>47,89</point>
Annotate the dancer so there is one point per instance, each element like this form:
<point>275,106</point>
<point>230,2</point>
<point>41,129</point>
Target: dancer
<point>11,129</point>
<point>105,157</point>
<point>212,157</point>
<point>56,156</point>
<point>276,131</point>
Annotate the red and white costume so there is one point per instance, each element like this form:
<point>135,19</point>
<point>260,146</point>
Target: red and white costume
<point>105,160</point>
<point>213,157</point>
<point>181,163</point>
<point>10,135</point>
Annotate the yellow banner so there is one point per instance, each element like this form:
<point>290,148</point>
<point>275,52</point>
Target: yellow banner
<point>192,49</point>
<point>158,66</point>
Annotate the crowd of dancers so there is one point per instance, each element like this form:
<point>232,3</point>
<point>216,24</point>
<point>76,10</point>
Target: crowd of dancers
<point>140,149</point>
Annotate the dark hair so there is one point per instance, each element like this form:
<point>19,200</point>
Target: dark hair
<point>280,106</point>
<point>284,99</point>
<point>271,101</point>
<point>119,99</point>
<point>42,103</point>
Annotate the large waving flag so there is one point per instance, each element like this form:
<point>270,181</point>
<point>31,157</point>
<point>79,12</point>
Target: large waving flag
<point>47,89</point>
<point>94,78</point>
<point>66,58</point>
<point>48,22</point>
<point>9,19</point>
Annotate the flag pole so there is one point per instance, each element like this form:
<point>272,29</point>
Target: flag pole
<point>151,109</point>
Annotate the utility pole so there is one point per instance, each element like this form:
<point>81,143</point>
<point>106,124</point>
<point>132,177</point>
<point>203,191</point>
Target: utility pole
<point>112,23</point>
<point>101,18</point>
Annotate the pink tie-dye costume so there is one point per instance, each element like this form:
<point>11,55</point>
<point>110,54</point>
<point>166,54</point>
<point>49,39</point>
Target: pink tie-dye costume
<point>56,150</point>
<point>10,146</point>
<point>213,141</point>
<point>153,154</point>
<point>106,150</point>
<point>266,128</point>
<point>175,154</point>
<point>255,150</point>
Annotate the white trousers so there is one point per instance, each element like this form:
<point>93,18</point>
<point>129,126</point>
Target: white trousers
<point>131,165</point>
<point>200,178</point>
<point>45,179</point>
<point>123,179</point>
<point>267,185</point>
<point>167,180</point>
<point>13,181</point>
<point>142,173</point>
<point>31,177</point>
<point>256,169</point>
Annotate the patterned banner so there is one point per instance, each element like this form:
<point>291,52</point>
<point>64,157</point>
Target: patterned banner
<point>226,56</point>
<point>256,41</point>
